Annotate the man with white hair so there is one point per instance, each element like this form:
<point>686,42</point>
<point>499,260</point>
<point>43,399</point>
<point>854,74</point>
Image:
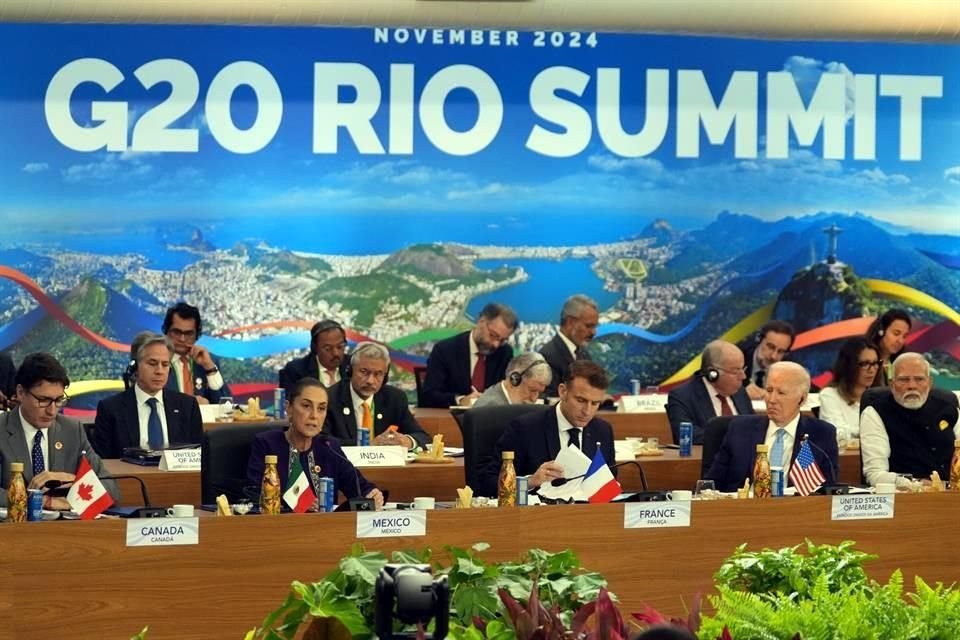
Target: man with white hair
<point>579,319</point>
<point>908,428</point>
<point>363,400</point>
<point>527,376</point>
<point>783,430</point>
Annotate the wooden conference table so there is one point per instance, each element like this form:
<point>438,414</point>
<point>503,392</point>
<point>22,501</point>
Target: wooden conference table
<point>79,580</point>
<point>440,481</point>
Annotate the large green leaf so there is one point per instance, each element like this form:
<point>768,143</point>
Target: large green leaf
<point>330,604</point>
<point>475,599</point>
<point>364,566</point>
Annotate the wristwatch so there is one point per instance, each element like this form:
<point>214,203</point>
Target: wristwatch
<point>210,372</point>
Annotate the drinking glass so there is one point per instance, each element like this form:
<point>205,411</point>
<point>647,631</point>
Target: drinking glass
<point>226,409</point>
<point>705,490</point>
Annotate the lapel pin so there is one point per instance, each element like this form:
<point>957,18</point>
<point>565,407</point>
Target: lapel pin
<point>198,384</point>
<point>316,468</point>
<point>58,445</point>
<point>346,411</point>
<point>379,416</point>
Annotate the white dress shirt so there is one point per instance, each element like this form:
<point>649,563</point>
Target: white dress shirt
<point>875,448</point>
<point>788,440</point>
<point>358,403</point>
<point>713,393</point>
<point>143,413</point>
<point>30,432</point>
<point>564,426</point>
<point>840,413</point>
<point>328,377</point>
<point>570,344</point>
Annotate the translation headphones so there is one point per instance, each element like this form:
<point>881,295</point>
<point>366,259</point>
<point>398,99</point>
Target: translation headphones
<point>516,377</point>
<point>129,374</point>
<point>322,326</point>
<point>712,374</point>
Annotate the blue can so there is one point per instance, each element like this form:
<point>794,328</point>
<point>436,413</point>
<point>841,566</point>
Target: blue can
<point>34,505</point>
<point>363,437</point>
<point>523,487</point>
<point>326,496</point>
<point>280,404</point>
<point>686,439</point>
<point>776,481</point>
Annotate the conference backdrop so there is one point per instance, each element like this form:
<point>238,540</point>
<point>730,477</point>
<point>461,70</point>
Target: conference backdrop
<point>399,179</point>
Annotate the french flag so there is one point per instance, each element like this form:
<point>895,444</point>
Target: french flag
<point>599,485</point>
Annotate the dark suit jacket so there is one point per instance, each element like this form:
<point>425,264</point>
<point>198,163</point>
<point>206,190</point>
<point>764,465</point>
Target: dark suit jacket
<point>66,433</point>
<point>448,370</point>
<point>734,461</point>
<point>8,375</point>
<point>117,425</point>
<point>690,402</point>
<point>327,454</point>
<point>558,356</point>
<point>390,405</point>
<point>200,375</point>
<point>748,361</point>
<point>305,367</point>
<point>535,438</point>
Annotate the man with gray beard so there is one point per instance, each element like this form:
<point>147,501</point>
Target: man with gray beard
<point>908,428</point>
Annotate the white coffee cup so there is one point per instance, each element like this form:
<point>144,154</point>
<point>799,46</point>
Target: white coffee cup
<point>424,503</point>
<point>683,495</point>
<point>181,511</point>
<point>885,487</point>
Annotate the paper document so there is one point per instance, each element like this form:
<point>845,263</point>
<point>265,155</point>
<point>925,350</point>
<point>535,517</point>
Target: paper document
<point>575,465</point>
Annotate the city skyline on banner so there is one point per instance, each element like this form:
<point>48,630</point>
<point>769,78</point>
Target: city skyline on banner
<point>427,210</point>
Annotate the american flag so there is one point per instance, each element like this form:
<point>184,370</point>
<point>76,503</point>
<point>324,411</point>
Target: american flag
<point>804,472</point>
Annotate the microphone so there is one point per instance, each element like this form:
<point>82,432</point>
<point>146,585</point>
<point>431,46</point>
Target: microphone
<point>827,489</point>
<point>559,482</point>
<point>359,503</point>
<point>146,511</point>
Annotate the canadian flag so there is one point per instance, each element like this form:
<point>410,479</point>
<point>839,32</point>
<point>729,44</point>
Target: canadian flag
<point>87,496</point>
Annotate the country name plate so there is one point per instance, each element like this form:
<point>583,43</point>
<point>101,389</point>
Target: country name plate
<point>162,532</point>
<point>862,507</point>
<point>376,456</point>
<point>653,515</point>
<point>180,460</point>
<point>391,524</point>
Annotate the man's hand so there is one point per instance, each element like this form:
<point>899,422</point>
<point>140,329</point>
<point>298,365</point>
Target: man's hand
<point>377,498</point>
<point>548,471</point>
<point>38,481</point>
<point>56,504</point>
<point>755,392</point>
<point>202,357</point>
<point>392,438</point>
<point>469,399</point>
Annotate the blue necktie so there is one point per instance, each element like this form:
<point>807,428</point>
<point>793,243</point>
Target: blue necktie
<point>154,428</point>
<point>37,454</point>
<point>776,453</point>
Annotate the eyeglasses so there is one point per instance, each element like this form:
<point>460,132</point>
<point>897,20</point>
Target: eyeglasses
<point>868,364</point>
<point>183,335</point>
<point>44,402</point>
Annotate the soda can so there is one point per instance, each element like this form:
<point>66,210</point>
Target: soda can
<point>280,404</point>
<point>326,496</point>
<point>776,481</point>
<point>363,437</point>
<point>523,486</point>
<point>686,439</point>
<point>34,505</point>
<point>635,386</point>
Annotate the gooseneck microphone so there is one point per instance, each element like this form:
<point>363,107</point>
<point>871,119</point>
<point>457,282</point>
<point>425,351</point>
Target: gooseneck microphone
<point>146,511</point>
<point>559,482</point>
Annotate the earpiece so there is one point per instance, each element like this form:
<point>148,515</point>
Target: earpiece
<point>880,333</point>
<point>712,374</point>
<point>516,377</point>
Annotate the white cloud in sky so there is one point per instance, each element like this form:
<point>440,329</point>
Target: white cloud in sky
<point>807,71</point>
<point>952,175</point>
<point>35,167</point>
<point>110,167</point>
<point>606,162</point>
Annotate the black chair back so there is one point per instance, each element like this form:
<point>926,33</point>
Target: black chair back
<point>224,454</point>
<point>481,428</point>
<point>713,434</point>
<point>419,375</point>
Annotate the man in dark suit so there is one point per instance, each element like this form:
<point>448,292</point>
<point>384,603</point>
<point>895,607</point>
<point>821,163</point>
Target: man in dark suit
<point>147,415</point>
<point>715,390</point>
<point>195,373</point>
<point>48,444</point>
<point>325,362</point>
<point>537,437</point>
<point>362,400</point>
<point>8,384</point>
<point>579,319</point>
<point>773,343</point>
<point>462,366</point>
<point>783,430</point>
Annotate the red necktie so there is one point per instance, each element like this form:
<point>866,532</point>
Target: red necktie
<point>725,409</point>
<point>479,377</point>
<point>186,375</point>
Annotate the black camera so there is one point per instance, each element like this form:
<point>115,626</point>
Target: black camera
<point>409,594</point>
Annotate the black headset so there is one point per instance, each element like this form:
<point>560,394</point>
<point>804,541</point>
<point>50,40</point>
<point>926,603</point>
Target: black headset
<point>516,377</point>
<point>711,374</point>
<point>321,327</point>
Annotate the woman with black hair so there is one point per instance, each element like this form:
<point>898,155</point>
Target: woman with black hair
<point>853,373</point>
<point>889,334</point>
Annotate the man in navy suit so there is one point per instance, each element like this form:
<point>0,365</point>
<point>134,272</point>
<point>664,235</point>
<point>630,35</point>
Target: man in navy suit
<point>462,366</point>
<point>362,400</point>
<point>579,319</point>
<point>195,373</point>
<point>147,415</point>
<point>537,437</point>
<point>773,343</point>
<point>715,390</point>
<point>783,430</point>
<point>325,362</point>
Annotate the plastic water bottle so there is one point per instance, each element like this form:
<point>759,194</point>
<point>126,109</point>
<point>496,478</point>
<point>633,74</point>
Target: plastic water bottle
<point>686,439</point>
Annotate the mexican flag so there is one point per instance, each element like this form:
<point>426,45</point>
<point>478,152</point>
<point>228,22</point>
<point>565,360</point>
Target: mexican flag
<point>299,495</point>
<point>87,496</point>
